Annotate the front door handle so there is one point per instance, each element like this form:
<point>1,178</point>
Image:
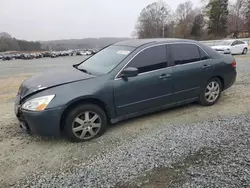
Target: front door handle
<point>206,66</point>
<point>164,76</point>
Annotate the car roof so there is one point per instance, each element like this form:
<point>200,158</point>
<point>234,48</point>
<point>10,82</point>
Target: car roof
<point>136,43</point>
<point>232,40</point>
<point>229,40</point>
<point>139,42</point>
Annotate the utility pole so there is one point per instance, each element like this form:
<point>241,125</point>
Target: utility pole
<point>163,30</point>
<point>163,12</point>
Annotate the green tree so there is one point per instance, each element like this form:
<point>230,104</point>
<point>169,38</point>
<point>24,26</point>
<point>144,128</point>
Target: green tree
<point>7,43</point>
<point>217,13</point>
<point>197,26</point>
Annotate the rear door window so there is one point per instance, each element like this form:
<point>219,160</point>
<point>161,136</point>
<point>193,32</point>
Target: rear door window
<point>241,42</point>
<point>203,54</point>
<point>185,53</point>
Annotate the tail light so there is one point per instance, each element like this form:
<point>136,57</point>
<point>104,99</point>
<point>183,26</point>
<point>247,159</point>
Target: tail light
<point>234,64</point>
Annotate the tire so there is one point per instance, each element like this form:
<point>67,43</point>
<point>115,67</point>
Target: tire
<point>204,98</point>
<point>78,127</point>
<point>245,51</point>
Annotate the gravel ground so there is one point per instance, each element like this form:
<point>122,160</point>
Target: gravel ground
<point>226,144</point>
<point>228,163</point>
<point>220,159</point>
<point>180,147</point>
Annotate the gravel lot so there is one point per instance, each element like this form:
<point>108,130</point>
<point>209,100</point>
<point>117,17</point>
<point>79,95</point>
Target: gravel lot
<point>188,146</point>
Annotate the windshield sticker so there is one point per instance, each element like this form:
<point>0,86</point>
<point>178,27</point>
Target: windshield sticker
<point>123,52</point>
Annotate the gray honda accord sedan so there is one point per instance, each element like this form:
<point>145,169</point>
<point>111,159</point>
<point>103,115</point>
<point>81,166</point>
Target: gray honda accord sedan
<point>123,80</point>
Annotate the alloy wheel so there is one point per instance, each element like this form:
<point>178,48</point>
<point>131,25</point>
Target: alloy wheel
<point>212,91</point>
<point>86,125</point>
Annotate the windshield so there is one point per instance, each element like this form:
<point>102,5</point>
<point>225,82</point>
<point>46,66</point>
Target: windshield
<point>226,43</point>
<point>105,60</point>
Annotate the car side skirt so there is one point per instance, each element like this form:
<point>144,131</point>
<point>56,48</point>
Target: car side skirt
<point>115,120</point>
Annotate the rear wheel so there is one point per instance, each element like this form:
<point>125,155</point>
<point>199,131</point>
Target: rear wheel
<point>211,93</point>
<point>85,122</point>
<point>244,51</point>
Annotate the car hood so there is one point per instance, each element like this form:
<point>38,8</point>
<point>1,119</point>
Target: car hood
<point>221,47</point>
<point>50,79</point>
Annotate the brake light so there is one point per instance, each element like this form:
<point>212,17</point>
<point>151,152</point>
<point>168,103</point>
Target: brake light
<point>234,64</point>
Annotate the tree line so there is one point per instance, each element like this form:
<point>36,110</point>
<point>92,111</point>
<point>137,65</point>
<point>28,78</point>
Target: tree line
<point>7,43</point>
<point>214,20</point>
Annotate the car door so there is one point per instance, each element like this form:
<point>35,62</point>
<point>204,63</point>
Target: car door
<point>236,47</point>
<point>191,68</point>
<point>150,89</point>
<point>242,45</point>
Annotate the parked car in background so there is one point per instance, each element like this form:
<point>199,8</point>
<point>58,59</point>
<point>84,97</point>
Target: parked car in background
<point>46,54</point>
<point>1,57</point>
<point>80,53</point>
<point>88,53</point>
<point>83,52</point>
<point>93,52</point>
<point>25,56</point>
<point>121,81</point>
<point>235,46</point>
<point>64,53</point>
<point>39,55</point>
<point>14,56</point>
<point>54,54</point>
<point>7,57</point>
<point>18,56</point>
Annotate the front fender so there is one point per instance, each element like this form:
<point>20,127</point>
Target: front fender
<point>68,94</point>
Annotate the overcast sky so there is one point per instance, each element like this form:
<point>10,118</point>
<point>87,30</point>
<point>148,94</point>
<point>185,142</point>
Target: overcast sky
<point>67,19</point>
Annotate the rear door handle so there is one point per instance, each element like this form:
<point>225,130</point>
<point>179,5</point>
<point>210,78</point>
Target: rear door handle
<point>206,66</point>
<point>163,76</point>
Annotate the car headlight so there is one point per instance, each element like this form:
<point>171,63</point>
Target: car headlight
<point>38,104</point>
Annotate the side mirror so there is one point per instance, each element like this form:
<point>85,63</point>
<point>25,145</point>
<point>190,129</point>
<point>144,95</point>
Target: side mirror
<point>227,51</point>
<point>129,72</point>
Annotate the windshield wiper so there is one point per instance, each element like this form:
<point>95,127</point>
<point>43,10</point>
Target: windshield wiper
<point>83,70</point>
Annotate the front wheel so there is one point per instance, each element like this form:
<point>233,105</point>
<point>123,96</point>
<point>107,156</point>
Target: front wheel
<point>85,122</point>
<point>211,93</point>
